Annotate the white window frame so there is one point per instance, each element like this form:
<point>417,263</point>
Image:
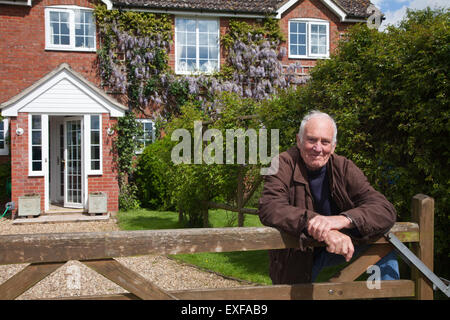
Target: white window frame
<point>87,126</point>
<point>197,71</point>
<point>71,47</point>
<point>142,121</point>
<point>5,150</point>
<point>44,146</point>
<point>309,23</point>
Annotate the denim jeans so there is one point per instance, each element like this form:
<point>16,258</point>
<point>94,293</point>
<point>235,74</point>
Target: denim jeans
<point>388,264</point>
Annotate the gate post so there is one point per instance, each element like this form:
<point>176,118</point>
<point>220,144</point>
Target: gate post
<point>423,215</point>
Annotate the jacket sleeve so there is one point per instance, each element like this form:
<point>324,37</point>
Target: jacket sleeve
<point>372,213</point>
<point>275,209</point>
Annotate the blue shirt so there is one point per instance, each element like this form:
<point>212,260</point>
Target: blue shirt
<point>320,189</point>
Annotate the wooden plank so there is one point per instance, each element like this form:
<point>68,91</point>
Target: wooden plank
<point>314,291</point>
<point>55,247</point>
<point>26,278</point>
<point>128,279</point>
<point>423,214</point>
<point>360,265</point>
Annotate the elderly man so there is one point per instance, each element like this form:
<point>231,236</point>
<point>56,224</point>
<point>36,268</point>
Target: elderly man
<point>318,194</point>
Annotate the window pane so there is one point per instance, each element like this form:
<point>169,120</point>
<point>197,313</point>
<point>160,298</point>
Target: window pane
<point>301,27</point>
<point>65,29</point>
<point>213,39</point>
<point>95,152</point>
<point>35,122</point>
<point>190,25</point>
<point>36,153</point>
<point>180,24</point>
<point>203,39</point>
<point>302,50</point>
<point>36,137</point>
<point>294,50</point>
<point>213,53</point>
<point>95,165</point>
<point>95,122</point>
<point>2,144</point>
<point>65,40</point>
<point>54,16</point>
<point>64,17</point>
<point>203,52</point>
<point>293,39</point>
<point>302,39</point>
<point>2,125</point>
<point>191,38</point>
<point>322,29</point>
<point>79,42</point>
<point>191,52</point>
<point>95,137</point>
<point>202,26</point>
<point>55,28</point>
<point>293,27</point>
<point>36,166</point>
<point>314,28</point>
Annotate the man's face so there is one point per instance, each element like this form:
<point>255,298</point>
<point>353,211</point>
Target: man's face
<point>317,147</point>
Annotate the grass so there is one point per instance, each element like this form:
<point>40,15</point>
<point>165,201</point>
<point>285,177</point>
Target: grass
<point>251,266</point>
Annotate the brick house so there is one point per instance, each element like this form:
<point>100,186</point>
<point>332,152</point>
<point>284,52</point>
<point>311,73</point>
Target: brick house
<point>56,128</point>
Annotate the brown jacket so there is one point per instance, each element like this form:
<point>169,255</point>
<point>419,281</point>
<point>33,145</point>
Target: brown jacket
<point>287,204</point>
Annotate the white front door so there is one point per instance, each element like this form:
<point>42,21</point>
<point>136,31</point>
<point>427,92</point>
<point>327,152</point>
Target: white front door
<point>73,162</point>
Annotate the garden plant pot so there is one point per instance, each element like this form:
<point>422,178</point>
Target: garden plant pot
<point>98,203</point>
<point>29,205</point>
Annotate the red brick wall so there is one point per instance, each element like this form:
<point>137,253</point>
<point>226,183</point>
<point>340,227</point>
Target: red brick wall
<point>23,58</point>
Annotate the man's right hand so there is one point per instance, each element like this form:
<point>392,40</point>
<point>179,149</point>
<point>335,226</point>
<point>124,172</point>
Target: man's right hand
<point>339,243</point>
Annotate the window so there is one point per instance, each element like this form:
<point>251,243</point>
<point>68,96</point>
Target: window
<point>308,39</point>
<point>69,28</point>
<point>36,143</point>
<point>148,134</point>
<point>95,143</point>
<point>4,151</point>
<point>196,45</point>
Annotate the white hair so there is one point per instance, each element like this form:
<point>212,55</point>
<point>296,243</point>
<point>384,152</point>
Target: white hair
<point>317,114</point>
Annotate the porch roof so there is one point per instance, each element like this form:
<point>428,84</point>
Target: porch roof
<point>47,95</point>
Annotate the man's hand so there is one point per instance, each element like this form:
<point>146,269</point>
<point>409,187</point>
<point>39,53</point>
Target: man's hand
<point>319,226</point>
<point>339,243</point>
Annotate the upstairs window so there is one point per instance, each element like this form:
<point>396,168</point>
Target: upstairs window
<point>309,39</point>
<point>196,45</point>
<point>69,28</point>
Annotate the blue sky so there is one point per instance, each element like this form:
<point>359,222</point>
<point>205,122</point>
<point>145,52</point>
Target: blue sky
<point>395,10</point>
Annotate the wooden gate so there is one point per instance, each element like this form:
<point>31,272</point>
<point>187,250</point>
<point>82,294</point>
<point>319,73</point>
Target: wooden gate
<point>47,252</point>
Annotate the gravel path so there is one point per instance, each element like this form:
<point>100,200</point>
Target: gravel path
<point>75,279</point>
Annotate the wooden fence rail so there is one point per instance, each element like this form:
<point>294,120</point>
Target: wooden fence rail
<point>47,252</point>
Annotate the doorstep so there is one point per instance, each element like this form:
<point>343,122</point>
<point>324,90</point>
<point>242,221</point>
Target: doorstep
<point>61,218</point>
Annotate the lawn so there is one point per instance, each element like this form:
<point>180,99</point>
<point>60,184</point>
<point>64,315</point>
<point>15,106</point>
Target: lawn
<point>251,266</point>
